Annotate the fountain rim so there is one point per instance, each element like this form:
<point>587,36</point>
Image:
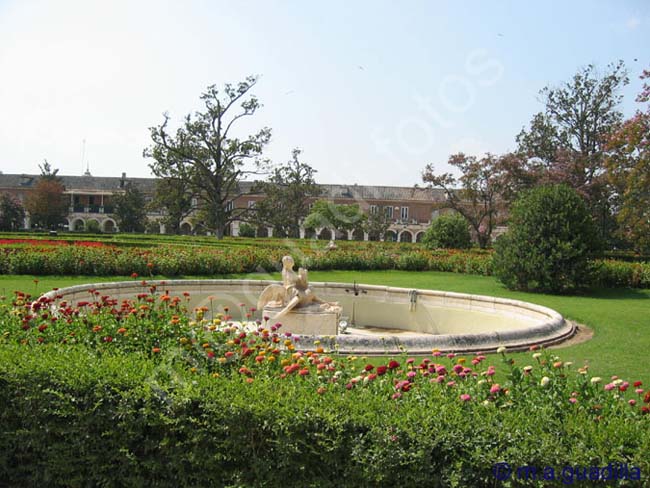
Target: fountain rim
<point>551,331</point>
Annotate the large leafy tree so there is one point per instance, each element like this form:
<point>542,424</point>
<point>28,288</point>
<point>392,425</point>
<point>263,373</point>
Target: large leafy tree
<point>174,198</point>
<point>287,194</point>
<point>628,166</point>
<point>567,139</point>
<point>208,157</point>
<point>12,213</point>
<point>46,204</point>
<point>340,217</point>
<point>130,210</point>
<point>479,193</point>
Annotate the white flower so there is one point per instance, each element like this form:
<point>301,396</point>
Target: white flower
<point>596,379</point>
<point>617,382</point>
<point>501,350</point>
<point>537,355</point>
<point>545,381</point>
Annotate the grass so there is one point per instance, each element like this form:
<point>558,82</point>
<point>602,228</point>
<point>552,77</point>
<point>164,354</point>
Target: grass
<point>620,318</point>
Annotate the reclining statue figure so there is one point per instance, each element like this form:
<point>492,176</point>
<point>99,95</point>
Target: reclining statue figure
<point>293,293</point>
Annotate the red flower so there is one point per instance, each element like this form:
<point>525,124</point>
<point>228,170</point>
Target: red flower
<point>637,384</point>
<point>369,367</point>
<point>303,372</point>
<point>134,275</point>
<point>381,370</point>
<point>155,350</point>
<point>42,327</point>
<point>645,410</point>
<point>393,364</point>
<point>646,398</point>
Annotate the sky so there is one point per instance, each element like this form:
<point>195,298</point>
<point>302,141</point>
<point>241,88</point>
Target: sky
<point>371,91</point>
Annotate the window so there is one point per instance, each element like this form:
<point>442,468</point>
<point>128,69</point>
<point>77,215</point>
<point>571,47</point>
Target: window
<point>404,214</point>
<point>230,206</point>
<point>374,209</point>
<point>251,203</point>
<point>389,212</point>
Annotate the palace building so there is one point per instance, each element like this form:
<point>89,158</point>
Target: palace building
<point>409,209</point>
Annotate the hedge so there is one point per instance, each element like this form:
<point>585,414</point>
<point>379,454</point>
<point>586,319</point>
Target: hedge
<point>144,392</point>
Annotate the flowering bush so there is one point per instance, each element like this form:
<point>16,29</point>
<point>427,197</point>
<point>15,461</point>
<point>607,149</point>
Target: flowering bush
<point>146,389</point>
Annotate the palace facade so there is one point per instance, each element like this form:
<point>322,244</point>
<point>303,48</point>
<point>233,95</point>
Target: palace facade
<point>408,209</point>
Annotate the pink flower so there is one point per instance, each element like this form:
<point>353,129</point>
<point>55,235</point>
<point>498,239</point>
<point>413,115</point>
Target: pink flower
<point>411,374</point>
<point>451,355</point>
<point>410,360</point>
<point>496,388</point>
<point>451,384</point>
<point>573,400</point>
<point>396,395</point>
<point>610,386</point>
<point>458,368</point>
<point>465,397</point>
<point>639,391</point>
<point>632,402</point>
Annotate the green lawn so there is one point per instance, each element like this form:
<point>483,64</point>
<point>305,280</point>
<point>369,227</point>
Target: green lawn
<point>620,318</point>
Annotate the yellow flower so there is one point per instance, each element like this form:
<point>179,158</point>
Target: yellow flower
<point>461,360</point>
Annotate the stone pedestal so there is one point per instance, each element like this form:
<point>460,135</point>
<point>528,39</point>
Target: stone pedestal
<point>310,320</point>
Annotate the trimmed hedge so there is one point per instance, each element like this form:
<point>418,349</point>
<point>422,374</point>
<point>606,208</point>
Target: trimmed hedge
<point>71,418</point>
<point>206,261</point>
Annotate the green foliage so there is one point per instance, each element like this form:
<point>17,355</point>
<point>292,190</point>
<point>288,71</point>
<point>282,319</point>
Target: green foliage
<point>130,210</point>
<point>287,194</point>
<point>449,231</point>
<point>12,213</point>
<point>548,244</point>
<point>174,197</point>
<point>149,408</point>
<point>246,230</point>
<point>340,217</point>
<point>92,227</point>
<point>207,158</point>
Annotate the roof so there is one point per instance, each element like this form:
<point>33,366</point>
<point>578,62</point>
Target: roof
<point>147,185</point>
<point>90,183</point>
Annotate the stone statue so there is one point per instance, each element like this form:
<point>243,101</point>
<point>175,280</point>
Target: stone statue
<point>294,293</point>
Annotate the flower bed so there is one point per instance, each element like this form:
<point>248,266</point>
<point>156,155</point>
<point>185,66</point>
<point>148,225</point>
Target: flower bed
<point>96,258</point>
<point>145,391</point>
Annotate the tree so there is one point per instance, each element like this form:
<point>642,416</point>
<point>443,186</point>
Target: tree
<point>478,194</point>
<point>130,210</point>
<point>172,196</point>
<point>628,169</point>
<point>568,139</point>
<point>376,225</point>
<point>340,217</point>
<point>246,230</point>
<point>46,204</point>
<point>549,240</point>
<point>12,213</point>
<point>206,156</point>
<point>287,194</point>
<point>448,231</point>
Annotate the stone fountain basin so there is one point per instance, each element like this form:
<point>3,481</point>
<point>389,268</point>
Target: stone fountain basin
<point>382,319</point>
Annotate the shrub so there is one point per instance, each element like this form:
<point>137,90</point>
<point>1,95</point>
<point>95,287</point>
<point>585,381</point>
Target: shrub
<point>548,244</point>
<point>449,231</point>
<point>92,227</point>
<point>246,230</point>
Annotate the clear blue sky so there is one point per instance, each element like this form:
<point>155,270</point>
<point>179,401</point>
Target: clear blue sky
<point>371,91</point>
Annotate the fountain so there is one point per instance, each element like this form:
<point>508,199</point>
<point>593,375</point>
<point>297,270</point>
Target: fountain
<point>364,319</point>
